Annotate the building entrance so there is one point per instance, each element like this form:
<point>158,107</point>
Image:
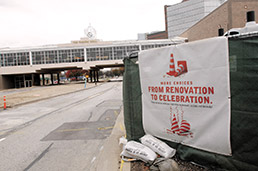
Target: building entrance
<point>23,81</point>
<point>28,83</point>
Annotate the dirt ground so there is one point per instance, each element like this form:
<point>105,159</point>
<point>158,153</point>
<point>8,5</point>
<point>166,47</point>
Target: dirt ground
<point>183,166</point>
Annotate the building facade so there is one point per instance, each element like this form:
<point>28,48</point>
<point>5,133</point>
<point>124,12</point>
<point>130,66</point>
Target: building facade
<point>63,54</point>
<point>22,67</point>
<point>231,14</point>
<point>180,17</point>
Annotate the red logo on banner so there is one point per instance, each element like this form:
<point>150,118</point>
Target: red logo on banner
<point>183,129</point>
<point>181,67</point>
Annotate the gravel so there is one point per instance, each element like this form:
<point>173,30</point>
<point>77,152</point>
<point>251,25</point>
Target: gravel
<point>183,166</point>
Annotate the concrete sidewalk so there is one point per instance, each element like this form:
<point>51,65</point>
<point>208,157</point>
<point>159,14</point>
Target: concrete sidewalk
<point>16,97</point>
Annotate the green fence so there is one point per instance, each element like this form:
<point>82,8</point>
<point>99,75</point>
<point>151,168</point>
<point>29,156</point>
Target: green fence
<point>243,59</point>
<point>132,100</point>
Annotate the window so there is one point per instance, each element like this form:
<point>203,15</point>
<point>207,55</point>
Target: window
<point>23,58</point>
<point>93,54</point>
<point>132,48</point>
<point>64,56</point>
<point>105,54</point>
<point>38,57</point>
<point>77,55</point>
<point>2,60</point>
<point>144,47</point>
<point>9,59</point>
<point>51,57</point>
<point>119,52</point>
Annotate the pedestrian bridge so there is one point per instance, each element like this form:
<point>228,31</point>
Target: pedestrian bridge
<point>24,67</point>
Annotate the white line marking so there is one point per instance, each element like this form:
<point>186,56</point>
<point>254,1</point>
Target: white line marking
<point>2,139</point>
<point>95,95</point>
<point>94,158</point>
<point>101,148</point>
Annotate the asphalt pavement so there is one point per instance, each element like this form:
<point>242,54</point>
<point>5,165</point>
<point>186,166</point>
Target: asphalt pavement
<point>109,158</point>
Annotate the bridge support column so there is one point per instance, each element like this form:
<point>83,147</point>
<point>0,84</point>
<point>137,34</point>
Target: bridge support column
<point>52,79</point>
<point>43,79</point>
<point>58,78</point>
<point>91,79</point>
<point>97,73</point>
<point>94,75</point>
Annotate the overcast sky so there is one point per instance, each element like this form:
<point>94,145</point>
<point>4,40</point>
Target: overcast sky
<point>41,22</point>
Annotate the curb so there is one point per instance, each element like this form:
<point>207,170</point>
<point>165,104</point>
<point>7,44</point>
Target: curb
<point>109,158</point>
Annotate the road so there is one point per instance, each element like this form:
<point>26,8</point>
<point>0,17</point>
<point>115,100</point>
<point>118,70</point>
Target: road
<point>61,133</point>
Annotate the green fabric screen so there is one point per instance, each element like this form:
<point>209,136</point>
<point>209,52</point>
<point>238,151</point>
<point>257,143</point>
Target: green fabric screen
<point>132,100</point>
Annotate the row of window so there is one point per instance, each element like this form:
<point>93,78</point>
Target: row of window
<point>15,59</point>
<point>70,55</point>
<point>57,56</point>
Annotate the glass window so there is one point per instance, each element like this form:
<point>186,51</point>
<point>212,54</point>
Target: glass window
<point>23,58</point>
<point>151,46</point>
<point>9,59</point>
<point>64,56</point>
<point>105,54</point>
<point>132,49</point>
<point>77,55</point>
<point>119,52</point>
<point>19,81</point>
<point>51,57</point>
<point>93,54</point>
<point>38,57</point>
<point>144,47</point>
<point>73,55</point>
<point>2,60</point>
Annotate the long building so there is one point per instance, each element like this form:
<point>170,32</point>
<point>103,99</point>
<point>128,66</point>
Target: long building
<point>25,67</point>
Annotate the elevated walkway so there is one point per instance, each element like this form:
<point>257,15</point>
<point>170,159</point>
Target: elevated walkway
<point>24,67</point>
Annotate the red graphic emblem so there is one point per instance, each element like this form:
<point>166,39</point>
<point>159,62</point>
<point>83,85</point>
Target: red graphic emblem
<point>183,129</point>
<point>181,67</point>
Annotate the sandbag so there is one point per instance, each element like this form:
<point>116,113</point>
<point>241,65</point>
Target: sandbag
<point>158,146</point>
<point>126,154</point>
<point>139,151</point>
<point>162,164</point>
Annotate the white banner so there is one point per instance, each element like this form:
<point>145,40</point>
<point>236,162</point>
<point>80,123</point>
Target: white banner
<point>186,94</point>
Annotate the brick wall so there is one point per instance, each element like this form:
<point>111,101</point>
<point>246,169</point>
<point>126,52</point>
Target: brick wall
<point>159,35</point>
<point>231,14</point>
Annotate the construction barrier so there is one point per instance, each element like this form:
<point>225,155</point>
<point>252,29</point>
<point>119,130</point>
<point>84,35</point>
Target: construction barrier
<point>243,57</point>
<point>132,100</point>
<point>4,103</point>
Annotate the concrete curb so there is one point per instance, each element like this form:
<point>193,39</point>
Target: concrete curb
<point>112,149</point>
